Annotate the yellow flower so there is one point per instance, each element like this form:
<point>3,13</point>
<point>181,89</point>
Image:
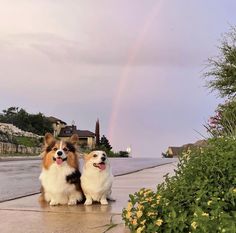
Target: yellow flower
<point>158,202</point>
<point>194,225</point>
<point>149,199</point>
<point>141,192</point>
<point>159,222</point>
<point>134,222</point>
<point>234,190</point>
<point>151,214</point>
<point>143,222</point>
<point>189,151</point>
<point>140,229</point>
<point>158,196</point>
<point>205,214</point>
<point>129,206</point>
<point>140,206</point>
<point>128,215</point>
<point>147,192</point>
<point>209,202</point>
<point>139,214</point>
<point>201,150</point>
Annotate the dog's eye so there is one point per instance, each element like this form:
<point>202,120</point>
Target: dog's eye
<point>95,155</point>
<point>66,149</point>
<point>55,149</point>
<point>104,155</point>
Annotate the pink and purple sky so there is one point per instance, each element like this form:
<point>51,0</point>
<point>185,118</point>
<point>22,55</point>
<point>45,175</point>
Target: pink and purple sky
<point>136,65</point>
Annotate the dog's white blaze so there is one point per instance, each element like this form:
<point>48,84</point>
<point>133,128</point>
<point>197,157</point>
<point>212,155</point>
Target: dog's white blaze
<point>61,145</point>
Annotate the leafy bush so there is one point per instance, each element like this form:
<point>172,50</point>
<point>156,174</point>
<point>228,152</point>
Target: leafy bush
<point>200,197</point>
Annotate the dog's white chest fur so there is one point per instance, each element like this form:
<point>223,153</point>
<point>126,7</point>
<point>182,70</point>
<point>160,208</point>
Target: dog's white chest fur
<point>57,189</point>
<point>96,184</point>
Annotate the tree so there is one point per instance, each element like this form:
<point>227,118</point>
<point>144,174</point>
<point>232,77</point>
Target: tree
<point>11,111</point>
<point>35,123</point>
<point>104,143</point>
<point>97,133</point>
<point>222,77</point>
<point>222,74</point>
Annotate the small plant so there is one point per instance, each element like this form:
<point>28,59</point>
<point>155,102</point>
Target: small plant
<point>200,197</point>
<point>223,123</point>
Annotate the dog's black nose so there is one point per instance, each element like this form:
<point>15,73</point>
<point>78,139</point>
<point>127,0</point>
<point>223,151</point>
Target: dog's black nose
<point>103,159</point>
<point>59,153</point>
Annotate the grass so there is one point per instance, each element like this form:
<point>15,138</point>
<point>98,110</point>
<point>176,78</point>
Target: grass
<point>27,141</point>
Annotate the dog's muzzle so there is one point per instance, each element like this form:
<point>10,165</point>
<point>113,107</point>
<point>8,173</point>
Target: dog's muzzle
<point>60,157</point>
<point>101,166</point>
<point>59,160</point>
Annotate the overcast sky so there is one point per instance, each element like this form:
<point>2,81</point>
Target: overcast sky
<point>136,65</point>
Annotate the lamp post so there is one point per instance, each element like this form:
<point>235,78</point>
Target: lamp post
<point>129,150</point>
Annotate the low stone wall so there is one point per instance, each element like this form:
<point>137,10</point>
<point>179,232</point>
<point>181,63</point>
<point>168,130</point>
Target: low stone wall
<point>9,148</point>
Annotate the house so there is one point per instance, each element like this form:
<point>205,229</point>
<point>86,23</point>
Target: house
<point>176,151</point>
<point>64,131</point>
<point>57,125</point>
<point>86,137</point>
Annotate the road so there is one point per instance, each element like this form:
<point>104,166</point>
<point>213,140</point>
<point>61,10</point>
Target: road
<point>20,178</point>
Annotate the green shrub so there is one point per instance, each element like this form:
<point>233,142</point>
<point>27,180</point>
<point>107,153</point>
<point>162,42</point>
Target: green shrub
<point>123,154</point>
<point>200,197</point>
<point>27,141</point>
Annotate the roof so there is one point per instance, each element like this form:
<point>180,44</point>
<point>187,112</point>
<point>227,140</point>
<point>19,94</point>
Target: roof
<point>178,150</point>
<point>85,133</point>
<point>69,130</point>
<point>175,150</point>
<point>55,120</point>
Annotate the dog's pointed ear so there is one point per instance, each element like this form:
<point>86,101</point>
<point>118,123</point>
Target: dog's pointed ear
<point>74,139</point>
<point>48,139</point>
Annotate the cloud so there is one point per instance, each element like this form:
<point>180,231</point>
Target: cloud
<point>84,52</point>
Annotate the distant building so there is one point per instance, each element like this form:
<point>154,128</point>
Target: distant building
<point>62,130</point>
<point>86,137</point>
<point>176,151</point>
<point>57,125</point>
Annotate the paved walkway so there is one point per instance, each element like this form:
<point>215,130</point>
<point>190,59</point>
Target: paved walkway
<point>19,176</point>
<point>26,215</point>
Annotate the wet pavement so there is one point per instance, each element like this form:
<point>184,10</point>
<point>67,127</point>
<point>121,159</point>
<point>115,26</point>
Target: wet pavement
<point>20,177</point>
<point>28,215</point>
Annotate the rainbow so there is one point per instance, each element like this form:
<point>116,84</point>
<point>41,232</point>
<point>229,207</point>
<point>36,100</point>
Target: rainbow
<point>133,52</point>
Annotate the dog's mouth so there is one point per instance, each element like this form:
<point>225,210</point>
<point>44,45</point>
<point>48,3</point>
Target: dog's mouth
<point>59,160</point>
<point>101,166</point>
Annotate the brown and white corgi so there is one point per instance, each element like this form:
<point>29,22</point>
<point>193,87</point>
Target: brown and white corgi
<point>60,175</point>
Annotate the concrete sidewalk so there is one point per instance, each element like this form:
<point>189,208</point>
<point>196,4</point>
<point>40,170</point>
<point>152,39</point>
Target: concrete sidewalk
<point>26,215</point>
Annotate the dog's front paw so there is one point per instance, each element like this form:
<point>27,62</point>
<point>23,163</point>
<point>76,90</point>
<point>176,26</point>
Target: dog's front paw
<point>79,197</point>
<point>72,202</point>
<point>104,202</point>
<point>53,203</point>
<point>88,202</point>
